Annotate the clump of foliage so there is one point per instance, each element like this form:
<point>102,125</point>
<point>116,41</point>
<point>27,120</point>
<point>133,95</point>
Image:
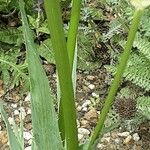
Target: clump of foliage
<point>48,131</point>
<point>138,67</point>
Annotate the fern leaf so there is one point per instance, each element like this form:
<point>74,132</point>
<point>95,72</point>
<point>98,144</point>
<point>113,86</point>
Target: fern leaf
<point>143,46</point>
<point>11,36</point>
<point>138,71</point>
<point>143,105</point>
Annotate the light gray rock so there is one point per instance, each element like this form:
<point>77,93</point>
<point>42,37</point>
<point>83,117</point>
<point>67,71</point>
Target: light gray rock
<point>14,105</point>
<point>124,134</point>
<point>83,131</point>
<point>127,139</point>
<point>95,95</point>
<point>136,137</point>
<point>27,98</point>
<point>16,112</point>
<point>28,148</point>
<point>91,86</point>
<point>27,135</point>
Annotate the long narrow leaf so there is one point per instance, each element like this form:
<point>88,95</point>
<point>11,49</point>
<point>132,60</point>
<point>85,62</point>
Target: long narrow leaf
<point>13,141</point>
<point>64,72</point>
<point>44,120</point>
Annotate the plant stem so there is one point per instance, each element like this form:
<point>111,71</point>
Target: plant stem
<point>118,76</point>
<point>71,43</point>
<point>73,29</point>
<point>55,23</point>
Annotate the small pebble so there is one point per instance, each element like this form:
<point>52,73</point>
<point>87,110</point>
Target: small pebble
<point>100,146</point>
<point>86,103</point>
<point>27,135</point>
<point>89,77</point>
<point>114,135</point>
<point>80,136</point>
<point>11,120</point>
<point>28,111</point>
<point>79,108</point>
<point>85,109</point>
<point>16,112</point>
<point>30,142</point>
<point>83,131</point>
<point>105,140</point>
<point>127,139</point>
<point>54,75</point>
<point>27,98</point>
<point>91,86</point>
<point>78,123</point>
<point>14,105</point>
<point>95,95</point>
<point>136,137</point>
<point>28,148</point>
<point>84,123</point>
<point>124,134</point>
<point>23,113</point>
<point>107,134</point>
<point>117,141</point>
<point>91,115</point>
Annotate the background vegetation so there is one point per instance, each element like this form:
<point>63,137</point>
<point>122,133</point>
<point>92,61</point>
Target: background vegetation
<point>102,34</point>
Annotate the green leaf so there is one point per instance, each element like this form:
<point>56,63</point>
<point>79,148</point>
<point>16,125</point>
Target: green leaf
<point>11,36</point>
<point>44,119</point>
<point>13,141</point>
<point>46,51</point>
<point>85,60</point>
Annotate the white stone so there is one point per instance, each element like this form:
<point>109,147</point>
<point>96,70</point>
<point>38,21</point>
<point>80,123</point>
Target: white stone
<point>107,134</point>
<point>23,112</point>
<point>28,97</point>
<point>105,139</point>
<point>136,137</point>
<point>79,108</point>
<point>83,131</point>
<point>28,148</point>
<point>85,109</point>
<point>16,112</point>
<point>80,136</point>
<point>117,141</point>
<point>11,120</point>
<point>100,146</point>
<point>0,128</point>
<point>91,86</point>
<point>86,103</point>
<point>30,142</point>
<point>27,135</point>
<point>29,111</point>
<point>78,123</point>
<point>127,139</point>
<point>95,95</point>
<point>54,75</point>
<point>14,105</point>
<point>124,134</point>
<point>89,77</point>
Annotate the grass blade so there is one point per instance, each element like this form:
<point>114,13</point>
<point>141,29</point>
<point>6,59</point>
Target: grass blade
<point>44,120</point>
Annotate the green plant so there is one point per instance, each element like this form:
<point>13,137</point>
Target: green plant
<point>44,119</point>
<point>137,70</point>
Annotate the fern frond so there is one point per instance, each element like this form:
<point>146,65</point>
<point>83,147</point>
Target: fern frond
<point>115,28</point>
<point>10,36</point>
<point>143,106</point>
<point>143,45</point>
<point>138,71</point>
